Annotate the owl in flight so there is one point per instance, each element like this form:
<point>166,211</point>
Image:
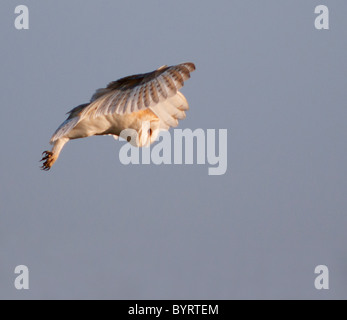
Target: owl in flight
<point>123,106</point>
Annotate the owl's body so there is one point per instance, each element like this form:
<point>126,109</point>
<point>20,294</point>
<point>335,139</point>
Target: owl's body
<point>136,107</point>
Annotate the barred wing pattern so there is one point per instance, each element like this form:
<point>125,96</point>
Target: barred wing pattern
<point>138,92</point>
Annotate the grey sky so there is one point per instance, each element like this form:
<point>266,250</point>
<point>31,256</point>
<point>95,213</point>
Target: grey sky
<point>93,228</point>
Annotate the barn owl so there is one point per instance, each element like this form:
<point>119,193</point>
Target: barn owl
<point>127,103</point>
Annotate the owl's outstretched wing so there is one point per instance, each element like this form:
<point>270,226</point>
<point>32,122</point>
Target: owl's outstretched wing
<point>138,92</point>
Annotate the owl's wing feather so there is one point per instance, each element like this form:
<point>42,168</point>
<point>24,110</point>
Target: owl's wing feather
<point>64,128</point>
<point>171,110</point>
<point>138,92</point>
<point>69,123</point>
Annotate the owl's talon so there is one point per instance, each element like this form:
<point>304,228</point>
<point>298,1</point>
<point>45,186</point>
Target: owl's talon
<point>48,159</point>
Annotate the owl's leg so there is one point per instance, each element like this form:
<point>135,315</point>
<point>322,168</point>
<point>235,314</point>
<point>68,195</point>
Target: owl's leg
<point>50,157</point>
